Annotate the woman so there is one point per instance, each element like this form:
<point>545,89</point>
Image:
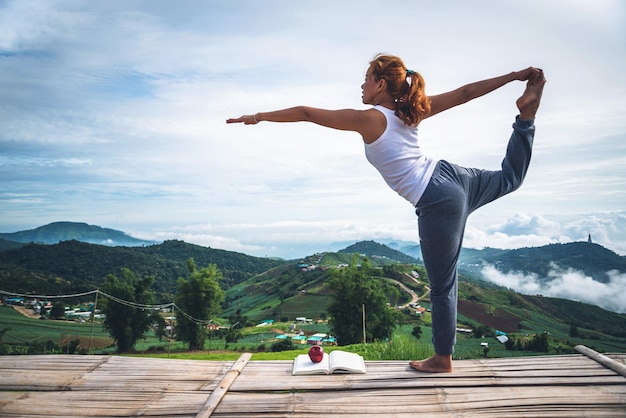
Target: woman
<point>443,194</point>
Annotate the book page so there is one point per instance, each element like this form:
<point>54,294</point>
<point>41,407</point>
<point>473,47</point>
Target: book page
<point>345,362</point>
<point>303,365</point>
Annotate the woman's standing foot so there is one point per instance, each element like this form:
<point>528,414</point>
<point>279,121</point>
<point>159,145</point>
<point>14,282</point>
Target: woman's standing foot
<point>436,364</point>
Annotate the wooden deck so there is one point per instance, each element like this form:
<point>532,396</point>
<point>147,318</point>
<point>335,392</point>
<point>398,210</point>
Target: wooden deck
<point>111,386</point>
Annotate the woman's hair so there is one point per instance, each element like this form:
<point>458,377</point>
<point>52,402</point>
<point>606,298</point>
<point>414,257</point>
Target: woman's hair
<point>411,102</point>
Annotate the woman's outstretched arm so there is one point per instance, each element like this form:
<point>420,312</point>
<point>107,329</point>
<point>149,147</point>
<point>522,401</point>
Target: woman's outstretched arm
<point>464,94</point>
<point>369,123</point>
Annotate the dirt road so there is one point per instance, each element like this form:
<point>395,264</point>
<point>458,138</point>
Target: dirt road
<point>26,311</point>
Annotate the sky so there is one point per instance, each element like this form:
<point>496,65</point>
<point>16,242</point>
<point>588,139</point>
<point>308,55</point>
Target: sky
<point>113,113</point>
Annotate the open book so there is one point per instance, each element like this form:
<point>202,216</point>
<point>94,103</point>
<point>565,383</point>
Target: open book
<point>336,362</point>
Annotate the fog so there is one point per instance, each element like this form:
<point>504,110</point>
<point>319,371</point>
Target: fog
<point>567,284</point>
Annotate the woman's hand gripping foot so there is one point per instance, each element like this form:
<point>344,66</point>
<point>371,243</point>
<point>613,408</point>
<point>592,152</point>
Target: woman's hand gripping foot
<point>528,103</point>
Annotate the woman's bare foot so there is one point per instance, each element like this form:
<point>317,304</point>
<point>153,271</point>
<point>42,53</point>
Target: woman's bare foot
<point>528,103</point>
<point>437,364</point>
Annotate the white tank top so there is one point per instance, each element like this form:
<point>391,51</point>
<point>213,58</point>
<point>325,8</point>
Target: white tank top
<point>399,159</point>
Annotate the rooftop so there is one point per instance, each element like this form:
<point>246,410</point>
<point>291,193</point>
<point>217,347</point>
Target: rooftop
<point>583,384</point>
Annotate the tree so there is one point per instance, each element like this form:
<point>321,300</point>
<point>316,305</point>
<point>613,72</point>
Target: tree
<point>239,318</point>
<point>481,331</point>
<point>124,316</point>
<point>58,310</point>
<point>486,351</point>
<point>509,344</point>
<point>417,332</point>
<point>231,336</point>
<point>199,297</point>
<point>282,345</point>
<point>356,287</point>
<point>539,343</point>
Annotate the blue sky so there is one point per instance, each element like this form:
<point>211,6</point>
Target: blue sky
<point>113,113</point>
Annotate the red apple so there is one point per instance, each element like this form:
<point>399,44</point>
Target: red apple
<point>316,353</point>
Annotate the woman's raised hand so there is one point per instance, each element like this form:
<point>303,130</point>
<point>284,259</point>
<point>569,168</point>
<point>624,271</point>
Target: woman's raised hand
<point>530,73</point>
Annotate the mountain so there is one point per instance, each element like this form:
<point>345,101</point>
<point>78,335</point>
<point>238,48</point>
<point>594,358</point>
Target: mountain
<point>591,259</point>
<point>375,250</point>
<point>300,289</point>
<point>74,266</point>
<point>263,288</point>
<point>409,248</point>
<point>9,245</point>
<point>65,231</point>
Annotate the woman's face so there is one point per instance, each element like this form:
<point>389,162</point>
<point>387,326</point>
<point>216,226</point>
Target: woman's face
<point>370,88</point>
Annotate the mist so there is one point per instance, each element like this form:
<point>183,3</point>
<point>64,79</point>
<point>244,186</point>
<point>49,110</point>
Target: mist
<point>566,284</point>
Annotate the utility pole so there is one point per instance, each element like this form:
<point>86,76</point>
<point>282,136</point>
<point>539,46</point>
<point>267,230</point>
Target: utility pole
<point>364,341</point>
<point>93,318</point>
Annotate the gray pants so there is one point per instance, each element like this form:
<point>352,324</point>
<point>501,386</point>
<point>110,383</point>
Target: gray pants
<point>452,194</point>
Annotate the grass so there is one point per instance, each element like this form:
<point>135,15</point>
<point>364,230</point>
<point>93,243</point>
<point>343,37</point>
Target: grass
<point>22,329</point>
<point>403,346</point>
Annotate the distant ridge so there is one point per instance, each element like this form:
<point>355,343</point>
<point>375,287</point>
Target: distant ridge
<point>374,249</point>
<point>6,244</point>
<point>56,232</point>
<point>591,259</point>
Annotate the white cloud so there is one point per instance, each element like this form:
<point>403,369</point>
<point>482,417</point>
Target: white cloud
<point>526,224</point>
<point>528,230</point>
<point>566,284</point>
<point>114,114</point>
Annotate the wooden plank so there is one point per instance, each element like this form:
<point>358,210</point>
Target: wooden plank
<point>45,372</point>
<point>602,359</point>
<point>105,404</point>
<point>113,386</point>
<point>429,402</point>
<point>123,386</point>
<point>123,373</point>
<point>223,386</point>
<point>575,370</point>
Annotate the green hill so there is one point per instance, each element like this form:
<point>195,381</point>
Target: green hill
<point>261,288</point>
<point>73,266</point>
<point>592,259</point>
<point>295,290</point>
<point>510,311</point>
<point>9,245</point>
<point>379,251</point>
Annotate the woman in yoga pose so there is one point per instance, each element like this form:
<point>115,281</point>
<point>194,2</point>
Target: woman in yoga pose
<point>443,194</point>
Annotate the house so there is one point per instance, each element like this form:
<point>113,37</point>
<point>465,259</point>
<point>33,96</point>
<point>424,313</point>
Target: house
<point>313,340</point>
<point>299,339</point>
<point>14,301</point>
<point>316,339</point>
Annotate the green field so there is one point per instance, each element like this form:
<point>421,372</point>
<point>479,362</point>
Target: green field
<point>20,332</point>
